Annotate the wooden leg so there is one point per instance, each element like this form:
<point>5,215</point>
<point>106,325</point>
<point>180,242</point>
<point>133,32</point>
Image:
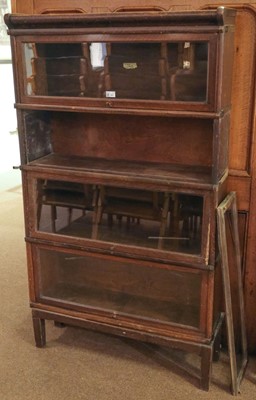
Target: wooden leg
<point>110,219</point>
<point>39,212</point>
<point>164,220</point>
<point>39,331</point>
<point>217,347</point>
<point>53,217</point>
<point>69,215</point>
<point>206,366</point>
<point>94,230</point>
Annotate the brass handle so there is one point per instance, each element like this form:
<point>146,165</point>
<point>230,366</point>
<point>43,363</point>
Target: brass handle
<point>63,11</point>
<point>139,9</point>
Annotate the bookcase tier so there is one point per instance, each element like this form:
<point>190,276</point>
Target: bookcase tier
<point>126,172</point>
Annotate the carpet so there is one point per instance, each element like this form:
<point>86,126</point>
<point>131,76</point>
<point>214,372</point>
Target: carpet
<point>80,364</point>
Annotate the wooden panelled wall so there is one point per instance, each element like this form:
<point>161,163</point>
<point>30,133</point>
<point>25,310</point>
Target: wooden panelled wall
<point>242,177</point>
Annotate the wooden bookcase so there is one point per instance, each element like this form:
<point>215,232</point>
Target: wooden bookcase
<point>124,123</point>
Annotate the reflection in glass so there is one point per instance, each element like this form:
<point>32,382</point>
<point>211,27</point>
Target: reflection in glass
<point>174,71</point>
<point>56,195</point>
<point>121,287</point>
<point>161,220</point>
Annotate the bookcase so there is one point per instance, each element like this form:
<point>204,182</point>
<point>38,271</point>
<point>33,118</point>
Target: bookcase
<point>124,125</point>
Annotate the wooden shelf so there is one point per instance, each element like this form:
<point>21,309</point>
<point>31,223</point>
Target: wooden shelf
<point>127,172</point>
<point>103,106</point>
<point>118,303</point>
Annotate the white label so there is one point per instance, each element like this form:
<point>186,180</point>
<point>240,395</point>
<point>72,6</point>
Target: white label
<point>186,64</point>
<point>130,65</point>
<point>110,93</point>
<point>186,45</point>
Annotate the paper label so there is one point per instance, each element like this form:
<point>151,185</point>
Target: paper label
<point>130,65</point>
<point>186,64</point>
<point>110,93</point>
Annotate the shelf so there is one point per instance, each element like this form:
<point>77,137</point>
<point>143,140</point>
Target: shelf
<point>143,235</point>
<point>124,107</point>
<point>121,304</point>
<point>125,172</point>
<point>119,286</point>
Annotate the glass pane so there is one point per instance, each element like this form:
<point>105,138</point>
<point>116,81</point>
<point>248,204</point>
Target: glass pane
<point>174,71</point>
<point>160,220</point>
<point>121,287</point>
